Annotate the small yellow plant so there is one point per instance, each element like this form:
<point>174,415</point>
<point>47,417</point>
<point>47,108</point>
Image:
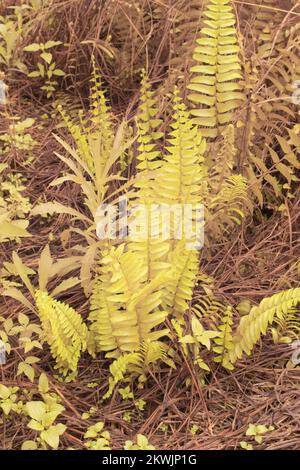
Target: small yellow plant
<point>43,417</point>
<point>46,69</point>
<point>100,439</point>
<point>18,139</point>
<point>142,443</point>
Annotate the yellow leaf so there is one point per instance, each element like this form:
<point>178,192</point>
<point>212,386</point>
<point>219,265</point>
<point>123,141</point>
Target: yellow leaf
<point>16,294</point>
<point>29,445</point>
<point>197,328</point>
<point>65,285</point>
<point>45,266</point>
<point>26,369</point>
<point>36,410</point>
<point>14,229</point>
<point>21,270</point>
<point>51,435</point>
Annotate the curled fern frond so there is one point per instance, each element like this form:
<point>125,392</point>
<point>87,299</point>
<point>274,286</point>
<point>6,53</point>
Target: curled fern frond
<point>256,323</point>
<point>129,362</point>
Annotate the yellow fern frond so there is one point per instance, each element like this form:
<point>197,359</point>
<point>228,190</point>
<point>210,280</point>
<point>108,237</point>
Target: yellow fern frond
<point>94,135</point>
<point>207,307</point>
<point>224,343</point>
<point>255,324</point>
<point>179,291</point>
<point>287,328</point>
<point>221,158</point>
<point>79,135</point>
<point>63,330</point>
<point>215,81</point>
<point>101,312</point>
<point>101,135</point>
<point>123,364</point>
<point>151,246</point>
<point>183,173</point>
<point>266,25</point>
<point>148,128</point>
<point>182,182</point>
<point>154,351</point>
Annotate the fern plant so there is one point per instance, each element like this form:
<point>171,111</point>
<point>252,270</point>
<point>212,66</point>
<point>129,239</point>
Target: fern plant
<point>96,150</point>
<point>144,280</point>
